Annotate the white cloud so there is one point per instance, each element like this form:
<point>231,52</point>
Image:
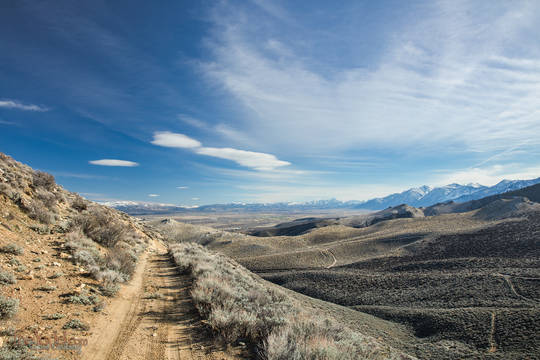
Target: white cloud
<point>153,195</point>
<point>182,187</point>
<point>190,120</point>
<point>251,159</point>
<point>169,139</point>
<point>11,104</point>
<point>195,199</point>
<point>440,84</point>
<point>490,175</point>
<point>114,162</point>
<point>255,160</point>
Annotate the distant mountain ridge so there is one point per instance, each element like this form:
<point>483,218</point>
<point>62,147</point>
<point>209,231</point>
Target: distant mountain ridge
<point>422,196</point>
<point>426,196</point>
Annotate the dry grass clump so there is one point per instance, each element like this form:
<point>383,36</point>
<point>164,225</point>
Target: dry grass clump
<point>8,307</point>
<point>239,306</point>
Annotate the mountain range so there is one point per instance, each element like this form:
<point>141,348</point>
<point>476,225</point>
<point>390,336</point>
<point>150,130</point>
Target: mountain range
<point>422,196</point>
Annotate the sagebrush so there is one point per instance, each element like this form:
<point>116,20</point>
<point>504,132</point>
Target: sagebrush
<point>240,306</point>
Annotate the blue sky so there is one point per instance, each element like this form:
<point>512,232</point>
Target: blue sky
<point>220,101</point>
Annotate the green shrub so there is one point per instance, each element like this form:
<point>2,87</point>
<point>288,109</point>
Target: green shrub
<point>8,307</point>
<point>13,249</point>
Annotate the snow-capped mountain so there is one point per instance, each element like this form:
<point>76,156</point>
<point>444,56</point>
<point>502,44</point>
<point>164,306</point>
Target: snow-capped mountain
<point>422,196</point>
<point>426,196</point>
<point>142,207</point>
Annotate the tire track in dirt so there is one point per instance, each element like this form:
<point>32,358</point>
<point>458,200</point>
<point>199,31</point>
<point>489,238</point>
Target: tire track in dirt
<point>332,256</point>
<point>508,280</point>
<point>491,339</point>
<point>161,321</point>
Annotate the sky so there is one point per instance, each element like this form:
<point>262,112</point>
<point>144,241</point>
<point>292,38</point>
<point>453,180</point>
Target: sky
<point>262,101</point>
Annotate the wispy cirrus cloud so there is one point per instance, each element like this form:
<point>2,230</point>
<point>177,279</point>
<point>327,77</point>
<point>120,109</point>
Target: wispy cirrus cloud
<point>444,83</point>
<point>12,104</point>
<point>153,195</point>
<point>114,162</point>
<point>251,159</point>
<point>488,175</point>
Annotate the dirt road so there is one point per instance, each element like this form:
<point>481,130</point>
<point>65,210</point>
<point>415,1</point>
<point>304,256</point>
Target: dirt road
<point>334,260</point>
<point>153,318</point>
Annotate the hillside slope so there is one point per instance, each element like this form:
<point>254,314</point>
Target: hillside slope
<point>465,284</point>
<point>62,259</point>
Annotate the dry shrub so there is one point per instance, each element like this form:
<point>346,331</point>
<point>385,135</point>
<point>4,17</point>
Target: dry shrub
<point>76,324</point>
<point>121,261</point>
<point>44,180</point>
<point>7,278</point>
<point>7,190</point>
<point>47,198</point>
<point>239,306</point>
<point>99,225</point>
<point>115,267</point>
<point>8,307</point>
<point>13,249</point>
<point>79,204</point>
<point>38,211</point>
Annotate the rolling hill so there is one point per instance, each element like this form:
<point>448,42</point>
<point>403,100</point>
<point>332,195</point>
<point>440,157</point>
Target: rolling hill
<point>465,284</point>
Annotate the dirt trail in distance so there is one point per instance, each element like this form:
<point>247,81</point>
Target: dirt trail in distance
<point>508,280</point>
<point>331,255</point>
<point>491,339</point>
<point>153,317</point>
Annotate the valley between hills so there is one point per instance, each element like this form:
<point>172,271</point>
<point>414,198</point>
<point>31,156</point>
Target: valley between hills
<point>455,280</point>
